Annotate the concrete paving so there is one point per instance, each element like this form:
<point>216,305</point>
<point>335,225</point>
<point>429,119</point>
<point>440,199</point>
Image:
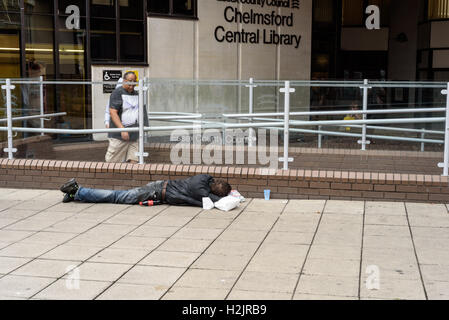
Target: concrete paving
<point>297,249</point>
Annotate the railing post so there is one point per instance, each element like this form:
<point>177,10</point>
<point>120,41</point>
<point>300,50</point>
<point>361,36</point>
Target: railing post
<point>146,95</point>
<point>251,137</point>
<point>8,87</point>
<point>287,90</point>
<point>41,94</point>
<point>365,88</point>
<point>445,164</point>
<point>423,135</point>
<point>320,137</point>
<point>141,153</point>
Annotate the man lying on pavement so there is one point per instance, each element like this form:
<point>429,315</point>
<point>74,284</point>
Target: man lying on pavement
<point>188,191</point>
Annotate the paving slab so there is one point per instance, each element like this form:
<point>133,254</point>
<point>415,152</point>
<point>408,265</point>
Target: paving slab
<point>208,279</point>
<point>384,208</point>
<point>327,250</point>
<point>437,290</point>
<point>170,259</point>
<point>437,273</point>
<point>394,289</point>
<point>309,207</point>
<point>8,264</point>
<point>118,255</point>
<point>151,275</point>
<point>258,295</point>
<point>328,285</point>
<point>4,222</point>
<point>46,268</point>
<point>72,252</point>
<point>180,293</point>
<point>185,245</point>
<point>22,287</point>
<point>26,250</point>
<point>108,272</point>
<point>66,289</point>
<point>121,291</point>
<point>331,267</point>
<point>344,207</point>
<point>267,282</point>
<point>304,297</point>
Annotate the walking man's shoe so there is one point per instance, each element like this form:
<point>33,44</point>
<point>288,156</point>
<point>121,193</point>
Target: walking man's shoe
<point>71,187</point>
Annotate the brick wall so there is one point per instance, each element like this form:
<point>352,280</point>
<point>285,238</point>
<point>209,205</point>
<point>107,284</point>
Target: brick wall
<point>291,184</point>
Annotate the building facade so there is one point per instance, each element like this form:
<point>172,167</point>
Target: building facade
<point>214,39</point>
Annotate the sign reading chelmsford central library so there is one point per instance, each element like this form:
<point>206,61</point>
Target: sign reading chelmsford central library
<point>259,36</point>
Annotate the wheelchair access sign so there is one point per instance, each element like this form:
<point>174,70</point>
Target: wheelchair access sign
<point>112,76</point>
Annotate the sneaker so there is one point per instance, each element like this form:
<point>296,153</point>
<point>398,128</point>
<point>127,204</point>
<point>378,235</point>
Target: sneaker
<point>68,198</point>
<point>70,187</point>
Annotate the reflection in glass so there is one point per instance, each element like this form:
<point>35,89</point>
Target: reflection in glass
<point>131,9</point>
<point>10,62</point>
<point>103,39</point>
<point>39,55</point>
<point>102,8</point>
<point>39,6</point>
<point>132,41</point>
<point>183,7</point>
<point>158,6</point>
<point>71,98</point>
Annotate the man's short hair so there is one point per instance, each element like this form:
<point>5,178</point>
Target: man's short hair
<point>125,77</point>
<point>220,188</point>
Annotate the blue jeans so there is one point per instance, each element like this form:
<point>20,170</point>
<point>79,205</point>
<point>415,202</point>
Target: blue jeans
<point>152,191</point>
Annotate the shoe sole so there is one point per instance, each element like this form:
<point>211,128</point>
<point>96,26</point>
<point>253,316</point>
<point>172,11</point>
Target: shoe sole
<point>69,186</point>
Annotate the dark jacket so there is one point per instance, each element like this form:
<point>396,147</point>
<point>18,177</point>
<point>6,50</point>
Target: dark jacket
<point>190,191</point>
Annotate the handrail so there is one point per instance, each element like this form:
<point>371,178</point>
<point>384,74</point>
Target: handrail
<point>50,115</point>
<point>287,88</point>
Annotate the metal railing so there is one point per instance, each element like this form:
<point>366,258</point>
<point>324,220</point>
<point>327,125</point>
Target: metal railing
<point>257,120</point>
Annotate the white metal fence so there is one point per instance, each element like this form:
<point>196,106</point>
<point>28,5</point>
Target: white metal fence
<point>277,120</point>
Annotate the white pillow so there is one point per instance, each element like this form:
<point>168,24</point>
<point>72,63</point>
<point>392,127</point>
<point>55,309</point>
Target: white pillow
<point>208,203</point>
<point>227,203</point>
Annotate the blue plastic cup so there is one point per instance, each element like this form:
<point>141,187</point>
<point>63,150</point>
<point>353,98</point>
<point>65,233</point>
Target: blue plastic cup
<point>267,194</point>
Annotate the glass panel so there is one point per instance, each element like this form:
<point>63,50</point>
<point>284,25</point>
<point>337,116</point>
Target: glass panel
<point>423,59</point>
<point>352,12</point>
<point>72,99</point>
<point>39,56</point>
<point>132,41</point>
<point>438,9</point>
<point>38,6</point>
<point>9,68</point>
<point>63,4</point>
<point>103,39</point>
<point>323,11</point>
<point>9,20</point>
<point>159,6</point>
<point>39,46</point>
<point>384,6</point>
<point>131,9</point>
<point>102,8</point>
<point>441,75</point>
<point>183,7</point>
<point>10,5</point>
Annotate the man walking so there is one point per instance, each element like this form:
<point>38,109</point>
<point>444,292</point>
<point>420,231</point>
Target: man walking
<point>124,111</point>
<point>190,191</point>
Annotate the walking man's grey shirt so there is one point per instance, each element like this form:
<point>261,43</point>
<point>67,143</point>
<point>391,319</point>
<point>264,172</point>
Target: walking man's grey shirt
<point>127,105</point>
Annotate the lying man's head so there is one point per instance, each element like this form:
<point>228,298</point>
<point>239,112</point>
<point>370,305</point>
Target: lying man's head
<point>220,188</point>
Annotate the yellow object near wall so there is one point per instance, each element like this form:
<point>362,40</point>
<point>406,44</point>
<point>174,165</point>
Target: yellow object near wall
<point>349,118</point>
